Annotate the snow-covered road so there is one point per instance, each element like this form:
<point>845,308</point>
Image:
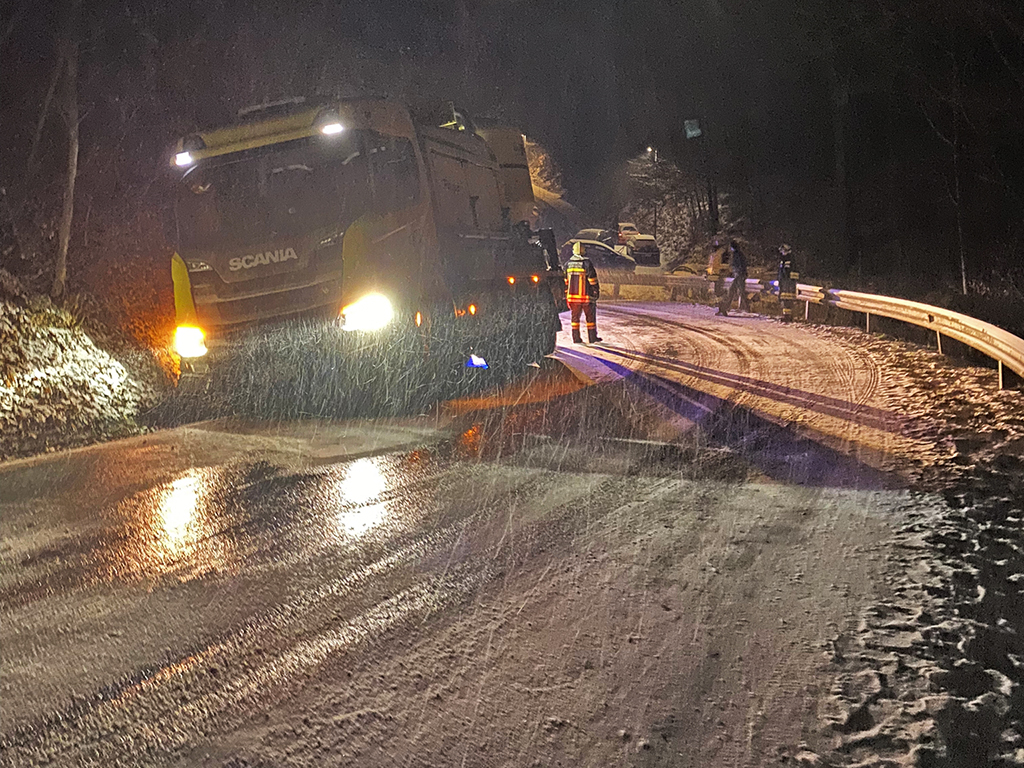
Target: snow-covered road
<point>666,553</point>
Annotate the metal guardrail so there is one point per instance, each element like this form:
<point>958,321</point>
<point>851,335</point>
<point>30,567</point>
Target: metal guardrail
<point>1002,346</point>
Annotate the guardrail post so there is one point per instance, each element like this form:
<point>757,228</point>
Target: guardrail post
<point>615,291</point>
<point>938,340</point>
<point>1000,362</point>
<point>807,310</point>
<point>868,323</point>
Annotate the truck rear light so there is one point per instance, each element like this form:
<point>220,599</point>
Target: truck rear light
<point>190,341</point>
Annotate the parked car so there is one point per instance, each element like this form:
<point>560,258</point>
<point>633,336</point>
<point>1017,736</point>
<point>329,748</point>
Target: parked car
<point>627,231</point>
<point>644,250</point>
<point>604,258</point>
<point>607,236</point>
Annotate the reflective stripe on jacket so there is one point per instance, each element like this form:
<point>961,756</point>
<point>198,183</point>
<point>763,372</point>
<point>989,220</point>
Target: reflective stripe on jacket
<point>581,280</point>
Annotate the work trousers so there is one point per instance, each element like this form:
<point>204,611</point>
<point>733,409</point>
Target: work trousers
<point>589,309</point>
<point>737,289</point>
<point>787,298</point>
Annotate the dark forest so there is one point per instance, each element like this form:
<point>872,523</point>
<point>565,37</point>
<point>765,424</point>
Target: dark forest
<point>883,139</point>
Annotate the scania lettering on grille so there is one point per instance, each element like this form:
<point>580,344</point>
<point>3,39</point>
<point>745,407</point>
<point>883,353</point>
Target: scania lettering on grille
<point>259,259</point>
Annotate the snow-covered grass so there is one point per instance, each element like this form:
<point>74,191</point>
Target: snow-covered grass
<point>57,387</point>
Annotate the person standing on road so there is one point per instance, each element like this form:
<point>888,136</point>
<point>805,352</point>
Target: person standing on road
<point>582,290</point>
<point>739,281</point>
<point>718,269</point>
<point>787,282</point>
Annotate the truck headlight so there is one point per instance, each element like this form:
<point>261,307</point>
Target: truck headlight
<point>370,313</point>
<point>190,341</point>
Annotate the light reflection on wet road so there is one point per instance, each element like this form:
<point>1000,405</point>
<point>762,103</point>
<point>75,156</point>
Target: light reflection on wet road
<point>214,575</point>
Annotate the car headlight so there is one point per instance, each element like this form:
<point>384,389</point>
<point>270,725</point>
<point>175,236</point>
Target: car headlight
<point>190,341</point>
<point>370,313</point>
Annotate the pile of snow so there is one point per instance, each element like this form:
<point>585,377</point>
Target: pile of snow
<point>56,385</point>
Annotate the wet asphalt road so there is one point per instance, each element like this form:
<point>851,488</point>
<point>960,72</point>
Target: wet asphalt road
<point>158,591</point>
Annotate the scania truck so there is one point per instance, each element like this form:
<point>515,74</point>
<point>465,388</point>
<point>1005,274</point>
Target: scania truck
<point>364,213</point>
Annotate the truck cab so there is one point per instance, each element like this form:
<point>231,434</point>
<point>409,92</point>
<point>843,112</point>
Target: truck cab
<point>353,210</point>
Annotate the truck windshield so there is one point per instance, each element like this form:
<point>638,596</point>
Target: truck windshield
<point>304,187</point>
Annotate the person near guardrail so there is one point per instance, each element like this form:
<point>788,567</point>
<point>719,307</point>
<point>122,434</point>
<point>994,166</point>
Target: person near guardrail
<point>738,289</point>
<point>718,269</point>
<point>582,290</point>
<point>787,282</point>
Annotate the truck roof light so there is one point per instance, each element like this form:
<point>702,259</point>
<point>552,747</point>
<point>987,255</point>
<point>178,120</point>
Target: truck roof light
<point>328,122</point>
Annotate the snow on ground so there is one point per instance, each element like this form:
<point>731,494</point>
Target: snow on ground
<point>933,676</point>
<point>56,386</point>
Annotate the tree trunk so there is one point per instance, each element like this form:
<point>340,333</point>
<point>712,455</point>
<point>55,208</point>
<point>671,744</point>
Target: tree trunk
<point>59,67</point>
<point>11,24</point>
<point>69,56</point>
<point>957,195</point>
<point>839,99</point>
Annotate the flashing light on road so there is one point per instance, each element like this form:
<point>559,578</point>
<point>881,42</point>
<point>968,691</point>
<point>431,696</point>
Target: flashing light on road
<point>511,280</point>
<point>183,158</point>
<point>190,341</point>
<point>419,319</point>
<point>472,309</point>
<point>650,149</point>
<point>535,278</point>
<point>332,129</point>
<point>370,313</point>
<point>475,361</point>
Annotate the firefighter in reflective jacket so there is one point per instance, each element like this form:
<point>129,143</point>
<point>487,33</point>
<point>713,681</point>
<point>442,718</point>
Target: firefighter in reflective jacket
<point>581,293</point>
<point>787,282</point>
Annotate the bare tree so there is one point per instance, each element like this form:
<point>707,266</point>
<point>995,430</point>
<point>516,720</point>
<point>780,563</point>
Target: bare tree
<point>12,22</point>
<point>68,56</point>
<point>59,69</point>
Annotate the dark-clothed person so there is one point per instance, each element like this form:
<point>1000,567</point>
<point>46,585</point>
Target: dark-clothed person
<point>738,260</point>
<point>582,291</point>
<point>787,282</point>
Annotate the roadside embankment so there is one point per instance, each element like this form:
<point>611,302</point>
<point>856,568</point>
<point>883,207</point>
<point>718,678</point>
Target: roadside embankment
<point>58,388</point>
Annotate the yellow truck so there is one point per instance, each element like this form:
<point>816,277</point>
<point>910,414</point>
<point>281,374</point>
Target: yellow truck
<point>364,213</point>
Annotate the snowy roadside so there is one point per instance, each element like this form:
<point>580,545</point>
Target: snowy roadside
<point>58,388</point>
<point>934,674</point>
